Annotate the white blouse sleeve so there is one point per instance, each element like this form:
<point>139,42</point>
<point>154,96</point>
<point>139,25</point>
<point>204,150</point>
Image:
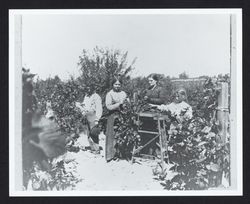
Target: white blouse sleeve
<point>163,107</point>
<point>99,110</point>
<point>109,104</point>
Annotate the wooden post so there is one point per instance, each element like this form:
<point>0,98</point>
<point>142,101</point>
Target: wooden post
<point>233,105</point>
<point>223,112</point>
<point>161,143</point>
<point>134,97</point>
<point>18,104</point>
<point>223,118</point>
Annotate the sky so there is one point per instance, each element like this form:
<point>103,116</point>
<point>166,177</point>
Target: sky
<point>169,44</point>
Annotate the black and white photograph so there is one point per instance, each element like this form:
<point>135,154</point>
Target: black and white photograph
<point>125,102</point>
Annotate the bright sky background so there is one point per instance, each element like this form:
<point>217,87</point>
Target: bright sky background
<point>168,44</point>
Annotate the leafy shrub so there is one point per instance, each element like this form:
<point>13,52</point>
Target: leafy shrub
<point>42,141</point>
<point>197,156</point>
<point>61,176</point>
<point>97,71</point>
<point>99,68</point>
<point>126,130</point>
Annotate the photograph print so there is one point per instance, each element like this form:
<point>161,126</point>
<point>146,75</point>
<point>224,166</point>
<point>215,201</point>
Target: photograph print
<point>125,102</point>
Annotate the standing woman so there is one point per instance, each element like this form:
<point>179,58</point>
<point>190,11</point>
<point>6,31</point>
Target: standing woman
<point>114,102</point>
<point>154,94</point>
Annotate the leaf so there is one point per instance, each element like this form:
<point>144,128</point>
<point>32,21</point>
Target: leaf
<point>170,175</point>
<point>206,129</point>
<point>208,167</point>
<point>181,144</point>
<point>215,167</point>
<point>202,143</point>
<point>201,160</point>
<point>210,135</point>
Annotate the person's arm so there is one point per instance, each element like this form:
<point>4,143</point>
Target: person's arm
<point>189,112</point>
<point>108,102</point>
<point>81,106</point>
<point>163,107</point>
<point>157,101</point>
<point>98,108</point>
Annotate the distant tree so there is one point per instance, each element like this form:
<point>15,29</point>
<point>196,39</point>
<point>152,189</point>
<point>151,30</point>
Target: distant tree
<point>137,84</point>
<point>100,67</point>
<point>183,75</point>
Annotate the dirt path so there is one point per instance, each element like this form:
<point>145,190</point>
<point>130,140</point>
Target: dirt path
<point>97,174</point>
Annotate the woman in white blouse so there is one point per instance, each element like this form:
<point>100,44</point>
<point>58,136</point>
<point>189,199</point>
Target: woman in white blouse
<point>114,102</point>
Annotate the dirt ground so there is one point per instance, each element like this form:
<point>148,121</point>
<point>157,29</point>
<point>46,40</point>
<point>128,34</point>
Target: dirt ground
<point>97,174</point>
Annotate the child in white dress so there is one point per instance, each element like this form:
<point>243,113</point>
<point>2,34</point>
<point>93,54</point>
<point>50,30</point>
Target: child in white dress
<point>179,108</point>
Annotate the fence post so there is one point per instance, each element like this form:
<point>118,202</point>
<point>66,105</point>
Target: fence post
<point>18,104</point>
<point>235,140</point>
<point>223,112</point>
<point>134,96</point>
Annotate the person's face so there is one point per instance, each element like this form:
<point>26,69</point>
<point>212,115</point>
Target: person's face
<point>151,81</point>
<point>117,86</point>
<point>49,104</point>
<point>178,97</point>
<point>89,90</point>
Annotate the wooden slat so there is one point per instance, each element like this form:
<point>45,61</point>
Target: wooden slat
<point>149,132</point>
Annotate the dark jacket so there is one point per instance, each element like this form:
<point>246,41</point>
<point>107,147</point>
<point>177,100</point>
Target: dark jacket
<point>156,95</point>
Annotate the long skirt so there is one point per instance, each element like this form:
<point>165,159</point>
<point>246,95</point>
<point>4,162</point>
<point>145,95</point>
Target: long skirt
<point>110,137</point>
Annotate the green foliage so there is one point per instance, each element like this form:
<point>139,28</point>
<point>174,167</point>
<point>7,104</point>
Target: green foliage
<point>99,69</point>
<point>198,158</point>
<point>62,96</point>
<point>126,129</point>
<point>183,75</point>
<point>42,139</point>
<point>61,176</point>
<point>44,90</point>
<point>29,101</point>
<point>63,104</point>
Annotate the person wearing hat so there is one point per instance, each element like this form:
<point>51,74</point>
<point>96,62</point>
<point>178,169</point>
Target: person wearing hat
<point>91,107</point>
